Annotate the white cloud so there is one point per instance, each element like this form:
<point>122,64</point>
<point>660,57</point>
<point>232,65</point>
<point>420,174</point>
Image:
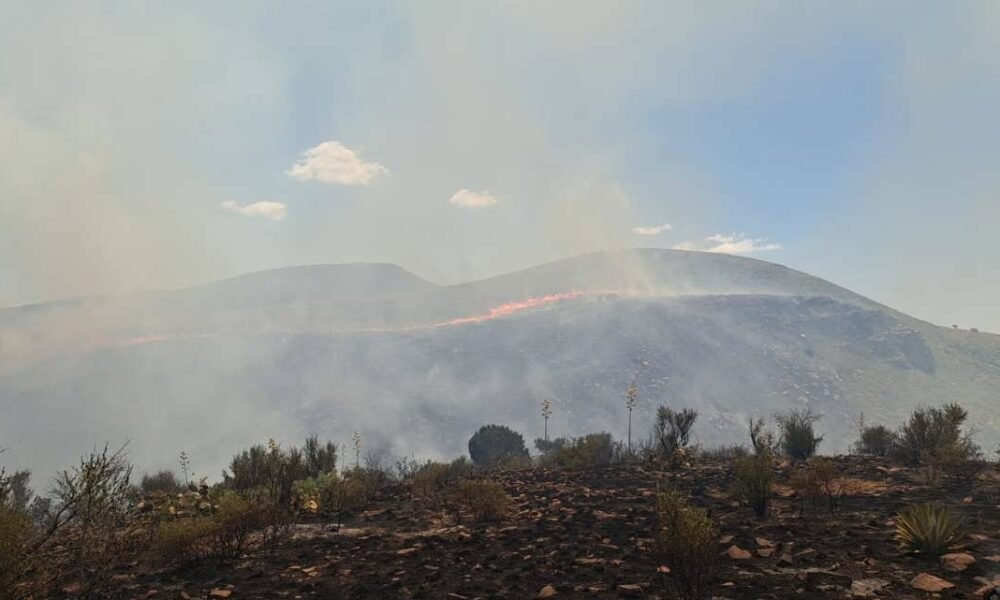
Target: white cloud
<point>735,243</point>
<point>274,211</point>
<point>652,230</point>
<point>469,199</point>
<point>333,162</point>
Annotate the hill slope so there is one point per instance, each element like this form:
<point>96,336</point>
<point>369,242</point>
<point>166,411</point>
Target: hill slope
<point>417,367</point>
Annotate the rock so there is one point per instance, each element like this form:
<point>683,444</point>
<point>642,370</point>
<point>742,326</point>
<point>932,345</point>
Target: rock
<point>664,569</point>
<point>736,553</point>
<point>547,592</point>
<point>630,590</point>
<point>868,588</point>
<point>930,583</point>
<point>220,593</point>
<point>765,552</point>
<point>957,562</point>
<point>763,543</point>
<point>407,551</point>
<point>726,539</point>
<point>785,560</point>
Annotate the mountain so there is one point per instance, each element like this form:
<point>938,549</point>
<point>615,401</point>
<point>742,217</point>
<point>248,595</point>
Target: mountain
<point>416,367</point>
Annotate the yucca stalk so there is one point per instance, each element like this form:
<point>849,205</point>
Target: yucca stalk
<point>928,529</point>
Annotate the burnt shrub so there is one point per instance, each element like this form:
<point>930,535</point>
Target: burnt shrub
<point>875,440</point>
<point>934,434</point>
<point>592,450</point>
<point>797,433</point>
<point>753,481</point>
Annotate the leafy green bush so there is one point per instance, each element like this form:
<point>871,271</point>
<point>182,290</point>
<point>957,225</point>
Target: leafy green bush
<point>688,539</point>
<point>798,437</point>
<point>876,440</point>
<point>933,434</point>
<point>495,445</point>
<point>592,450</point>
<point>162,481</point>
<point>928,529</point>
<point>16,532</point>
<point>485,499</point>
<point>753,481</point>
<point>225,533</point>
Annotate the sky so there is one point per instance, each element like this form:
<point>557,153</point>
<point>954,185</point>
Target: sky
<point>163,144</point>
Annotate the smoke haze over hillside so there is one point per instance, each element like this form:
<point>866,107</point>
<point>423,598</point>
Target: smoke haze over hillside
<point>226,222</point>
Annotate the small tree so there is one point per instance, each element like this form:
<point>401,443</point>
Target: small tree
<point>162,481</point>
<point>493,445</point>
<point>798,437</point>
<point>319,458</point>
<point>673,429</point>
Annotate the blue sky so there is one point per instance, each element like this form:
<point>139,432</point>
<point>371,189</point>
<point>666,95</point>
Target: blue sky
<point>152,145</point>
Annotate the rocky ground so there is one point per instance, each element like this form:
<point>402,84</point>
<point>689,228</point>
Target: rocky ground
<point>590,534</point>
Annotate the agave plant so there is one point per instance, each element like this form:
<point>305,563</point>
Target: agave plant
<point>928,529</point>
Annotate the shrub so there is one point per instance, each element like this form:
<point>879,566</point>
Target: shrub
<point>798,438</point>
<point>495,445</point>
<point>762,440</point>
<point>753,481</point>
<point>725,452</point>
<point>225,534</point>
<point>163,481</point>
<point>688,540</point>
<point>485,499</point>
<point>817,478</point>
<point>927,529</point>
<point>319,458</point>
<point>430,479</point>
<point>673,430</point>
<point>15,558</point>
<point>592,450</point>
<point>876,440</point>
<point>933,433</point>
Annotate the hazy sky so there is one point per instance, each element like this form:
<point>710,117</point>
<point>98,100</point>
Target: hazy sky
<point>162,144</point>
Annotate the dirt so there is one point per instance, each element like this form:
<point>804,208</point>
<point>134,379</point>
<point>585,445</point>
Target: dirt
<point>590,534</point>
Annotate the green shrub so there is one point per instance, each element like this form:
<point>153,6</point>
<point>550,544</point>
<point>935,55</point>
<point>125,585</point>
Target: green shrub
<point>592,450</point>
<point>932,434</point>
<point>494,446</point>
<point>753,481</point>
<point>876,440</point>
<point>16,532</point>
<point>225,534</point>
<point>689,540</point>
<point>485,499</point>
<point>928,529</point>
<point>162,481</point>
<point>798,437</point>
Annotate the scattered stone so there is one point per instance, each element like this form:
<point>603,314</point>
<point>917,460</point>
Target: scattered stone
<point>547,592</point>
<point>736,553</point>
<point>957,561</point>
<point>726,539</point>
<point>786,560</point>
<point>220,593</point>
<point>630,590</point>
<point>868,588</point>
<point>407,551</point>
<point>994,558</point>
<point>765,552</point>
<point>663,569</point>
<point>930,583</point>
<point>763,543</point>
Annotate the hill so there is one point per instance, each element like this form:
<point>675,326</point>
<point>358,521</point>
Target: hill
<point>416,367</point>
